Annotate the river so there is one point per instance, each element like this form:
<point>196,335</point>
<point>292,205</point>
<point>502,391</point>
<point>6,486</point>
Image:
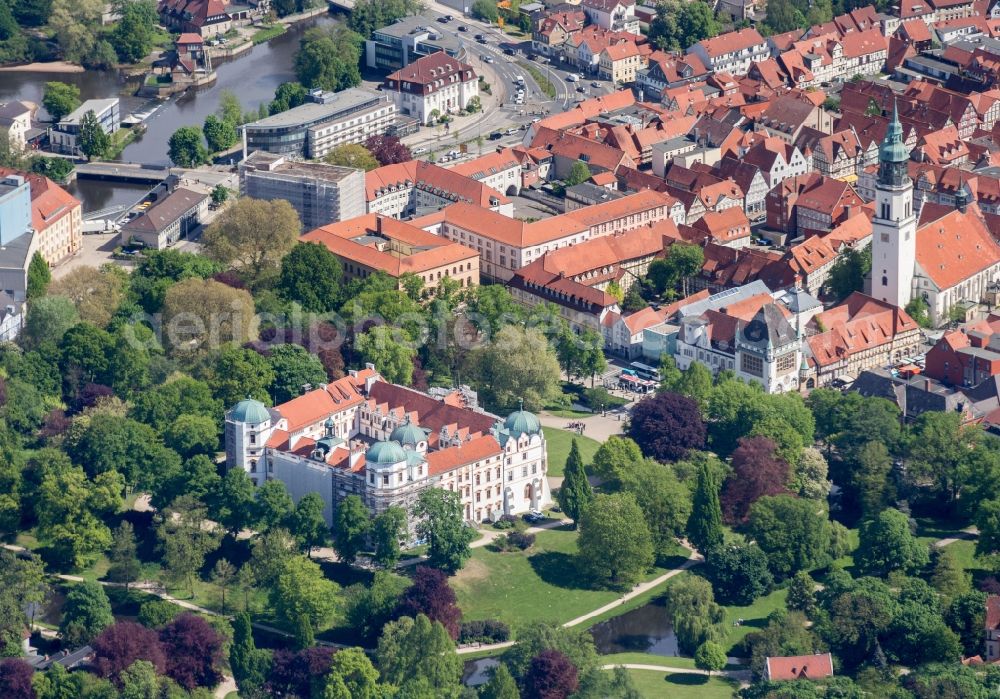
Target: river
<point>253,78</point>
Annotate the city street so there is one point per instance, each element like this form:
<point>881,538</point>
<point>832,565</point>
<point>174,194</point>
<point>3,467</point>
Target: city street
<point>500,71</point>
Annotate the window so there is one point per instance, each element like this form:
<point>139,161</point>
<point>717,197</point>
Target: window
<point>253,438</point>
<point>885,280</point>
<point>524,471</point>
<point>751,364</point>
<point>786,362</point>
<point>385,479</point>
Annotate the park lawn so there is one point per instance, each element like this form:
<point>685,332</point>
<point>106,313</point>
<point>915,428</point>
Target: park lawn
<point>541,584</point>
<point>754,618</point>
<point>654,684</point>
<point>557,443</point>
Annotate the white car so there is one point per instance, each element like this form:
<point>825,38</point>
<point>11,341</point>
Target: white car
<point>572,77</point>
<point>418,151</point>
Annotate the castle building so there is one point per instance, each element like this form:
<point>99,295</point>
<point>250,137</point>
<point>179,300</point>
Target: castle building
<point>386,443</point>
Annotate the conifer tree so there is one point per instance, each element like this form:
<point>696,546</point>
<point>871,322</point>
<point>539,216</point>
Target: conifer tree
<point>248,663</point>
<point>575,493</point>
<point>704,528</point>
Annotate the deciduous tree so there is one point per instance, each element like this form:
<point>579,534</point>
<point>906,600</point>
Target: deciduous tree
<point>431,595</point>
<point>615,545</point>
<point>666,426</point>
<point>351,524</point>
<point>739,573</point>
<point>86,612</point>
<point>302,590</point>
<point>311,275</point>
<point>219,134</point>
<point>694,614</point>
<point>412,652</point>
<point>710,657</point>
<point>794,533</point>
<point>615,457</point>
<point>124,642</point>
<point>203,314</point>
<point>504,378</point>
<point>442,525</point>
<point>387,530</point>
<point>665,502</point>
<point>329,58</point>
<point>757,471</point>
<point>96,293</point>
<point>194,651</point>
<point>388,149</point>
<point>253,235</point>
<point>59,99</point>
<point>308,525</point>
<point>184,540</point>
<point>551,675</point>
<point>352,155</point>
<point>186,147</point>
<point>885,544</point>
<point>501,685</point>
<point>15,679</point>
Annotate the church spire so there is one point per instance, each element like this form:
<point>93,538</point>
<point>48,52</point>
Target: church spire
<point>893,153</point>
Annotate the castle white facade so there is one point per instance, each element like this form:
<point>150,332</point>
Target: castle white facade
<point>387,443</point>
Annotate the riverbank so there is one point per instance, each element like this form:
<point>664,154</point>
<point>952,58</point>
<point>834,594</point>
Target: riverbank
<point>50,67</point>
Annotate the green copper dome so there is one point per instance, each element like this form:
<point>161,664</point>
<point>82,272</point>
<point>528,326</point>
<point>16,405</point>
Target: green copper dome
<point>249,411</point>
<point>408,434</point>
<point>385,453</point>
<point>522,422</point>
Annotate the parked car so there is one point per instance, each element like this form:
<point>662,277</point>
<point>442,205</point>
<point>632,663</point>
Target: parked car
<point>595,84</point>
<point>511,132</point>
<point>449,17</point>
<point>496,136</point>
<point>442,20</point>
<point>509,51</point>
<point>463,28</point>
<point>418,151</point>
<point>572,78</point>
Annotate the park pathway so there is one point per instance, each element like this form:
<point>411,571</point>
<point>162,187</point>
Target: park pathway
<point>964,535</point>
<point>694,558</point>
<point>739,675</point>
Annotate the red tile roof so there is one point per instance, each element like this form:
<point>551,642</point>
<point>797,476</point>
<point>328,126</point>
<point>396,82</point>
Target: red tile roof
<point>955,247</point>
<point>49,201</point>
<point>316,405</point>
<point>859,324</point>
<point>800,667</point>
<point>730,42</point>
<point>476,449</point>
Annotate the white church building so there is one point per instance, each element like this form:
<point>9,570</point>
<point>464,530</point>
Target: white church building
<point>947,258</point>
<point>386,443</point>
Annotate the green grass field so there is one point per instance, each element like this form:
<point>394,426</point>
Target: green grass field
<point>653,684</point>
<point>541,584</point>
<point>558,442</point>
<point>650,659</point>
<point>754,618</point>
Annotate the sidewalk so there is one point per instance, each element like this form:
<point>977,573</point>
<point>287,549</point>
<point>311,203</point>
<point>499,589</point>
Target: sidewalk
<point>596,426</point>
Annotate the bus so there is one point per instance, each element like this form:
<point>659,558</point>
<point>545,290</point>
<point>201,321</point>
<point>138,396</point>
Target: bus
<point>644,371</point>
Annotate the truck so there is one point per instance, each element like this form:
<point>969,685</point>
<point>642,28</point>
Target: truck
<point>519,79</point>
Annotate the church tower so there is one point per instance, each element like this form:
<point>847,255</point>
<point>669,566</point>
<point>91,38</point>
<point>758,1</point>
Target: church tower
<point>894,228</point>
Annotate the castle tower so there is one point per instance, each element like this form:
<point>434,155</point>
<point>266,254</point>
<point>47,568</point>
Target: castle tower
<point>894,228</point>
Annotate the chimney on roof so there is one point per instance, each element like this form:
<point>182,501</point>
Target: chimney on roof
<point>378,224</point>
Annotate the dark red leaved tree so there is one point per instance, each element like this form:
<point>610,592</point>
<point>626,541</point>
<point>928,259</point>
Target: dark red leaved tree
<point>124,642</point>
<point>15,679</point>
<point>194,651</point>
<point>295,673</point>
<point>388,149</point>
<point>757,471</point>
<point>551,675</point>
<point>666,426</point>
<point>431,594</point>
